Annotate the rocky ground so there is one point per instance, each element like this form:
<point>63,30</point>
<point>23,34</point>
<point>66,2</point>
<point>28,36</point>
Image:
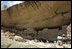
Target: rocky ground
<point>8,41</point>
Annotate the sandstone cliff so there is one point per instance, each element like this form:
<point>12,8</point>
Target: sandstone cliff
<point>36,15</point>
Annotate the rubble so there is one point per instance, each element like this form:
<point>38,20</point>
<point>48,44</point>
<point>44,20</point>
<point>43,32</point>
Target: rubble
<point>20,43</point>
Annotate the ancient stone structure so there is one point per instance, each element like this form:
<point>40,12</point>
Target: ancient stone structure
<point>28,18</point>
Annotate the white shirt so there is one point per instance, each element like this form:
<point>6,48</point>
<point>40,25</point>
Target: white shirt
<point>59,37</point>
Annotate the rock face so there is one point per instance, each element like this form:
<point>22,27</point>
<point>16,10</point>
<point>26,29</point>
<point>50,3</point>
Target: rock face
<point>51,34</point>
<point>69,30</point>
<point>48,34</point>
<point>36,15</point>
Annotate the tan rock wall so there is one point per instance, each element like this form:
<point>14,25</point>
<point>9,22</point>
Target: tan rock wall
<point>37,15</point>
